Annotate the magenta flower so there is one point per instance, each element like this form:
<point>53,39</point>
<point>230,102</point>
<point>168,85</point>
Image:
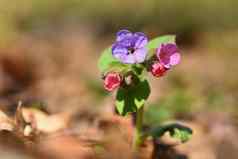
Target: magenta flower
<point>112,81</point>
<point>168,55</point>
<point>129,48</point>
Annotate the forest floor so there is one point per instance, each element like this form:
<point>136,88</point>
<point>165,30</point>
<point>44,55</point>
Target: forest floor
<point>52,103</point>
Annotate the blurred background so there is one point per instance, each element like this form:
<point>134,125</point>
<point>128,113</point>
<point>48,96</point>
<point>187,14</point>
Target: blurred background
<point>49,52</point>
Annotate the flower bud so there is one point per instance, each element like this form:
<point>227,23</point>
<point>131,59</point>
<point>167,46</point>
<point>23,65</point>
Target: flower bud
<point>128,79</point>
<point>158,69</point>
<point>112,81</point>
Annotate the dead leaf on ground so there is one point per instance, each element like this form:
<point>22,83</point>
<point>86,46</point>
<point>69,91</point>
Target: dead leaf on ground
<point>65,147</point>
<point>5,122</point>
<point>44,122</point>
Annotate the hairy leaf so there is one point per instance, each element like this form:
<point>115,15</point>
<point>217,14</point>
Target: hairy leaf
<point>130,99</point>
<point>177,131</point>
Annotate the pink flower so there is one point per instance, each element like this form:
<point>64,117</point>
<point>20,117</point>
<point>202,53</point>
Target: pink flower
<point>112,81</point>
<point>168,55</point>
<point>158,69</point>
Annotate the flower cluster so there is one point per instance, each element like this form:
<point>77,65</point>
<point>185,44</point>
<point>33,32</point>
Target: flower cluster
<point>125,65</point>
<point>131,48</point>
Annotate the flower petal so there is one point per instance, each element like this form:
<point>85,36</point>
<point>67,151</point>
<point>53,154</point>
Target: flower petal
<point>175,59</point>
<point>159,50</point>
<point>162,55</point>
<point>118,49</point>
<point>123,34</point>
<point>170,48</point>
<point>128,59</point>
<point>127,42</point>
<point>168,54</point>
<point>120,52</point>
<point>140,40</point>
<point>140,55</point>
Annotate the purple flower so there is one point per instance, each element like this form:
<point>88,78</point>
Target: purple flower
<point>129,48</point>
<point>168,55</point>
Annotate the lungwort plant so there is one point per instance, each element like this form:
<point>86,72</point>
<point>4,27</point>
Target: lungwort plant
<point>125,66</point>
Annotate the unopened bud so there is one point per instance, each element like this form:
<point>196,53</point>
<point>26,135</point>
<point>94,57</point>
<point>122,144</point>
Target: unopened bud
<point>158,69</point>
<point>112,81</point>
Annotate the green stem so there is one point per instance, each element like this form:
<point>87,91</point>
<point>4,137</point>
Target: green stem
<point>138,136</point>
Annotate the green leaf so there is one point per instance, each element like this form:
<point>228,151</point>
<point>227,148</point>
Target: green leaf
<point>117,67</point>
<point>124,102</point>
<point>175,130</point>
<point>106,60</point>
<point>156,42</point>
<point>182,134</point>
<point>141,93</point>
<point>131,98</point>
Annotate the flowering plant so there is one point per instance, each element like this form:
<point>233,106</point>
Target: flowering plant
<point>124,67</point>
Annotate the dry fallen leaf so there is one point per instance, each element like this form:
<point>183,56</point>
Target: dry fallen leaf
<point>64,146</point>
<point>28,130</point>
<point>5,122</point>
<point>20,123</point>
<point>43,122</point>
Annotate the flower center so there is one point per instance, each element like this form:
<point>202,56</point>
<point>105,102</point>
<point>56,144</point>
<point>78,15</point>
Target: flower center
<point>131,50</point>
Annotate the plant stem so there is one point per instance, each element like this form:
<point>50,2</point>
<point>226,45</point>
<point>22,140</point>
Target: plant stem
<point>138,136</point>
